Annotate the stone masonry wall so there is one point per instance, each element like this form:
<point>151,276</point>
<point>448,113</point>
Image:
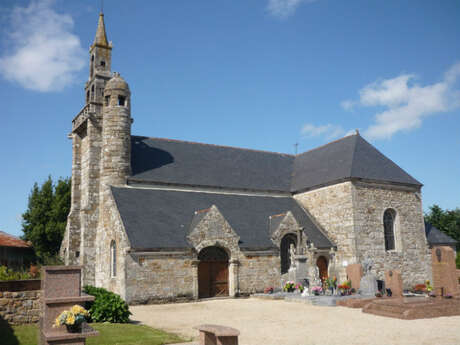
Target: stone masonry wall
<point>411,255</point>
<point>20,307</point>
<point>332,207</point>
<point>158,278</point>
<point>111,229</point>
<point>255,273</point>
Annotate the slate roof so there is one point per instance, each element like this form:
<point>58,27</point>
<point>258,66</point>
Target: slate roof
<point>184,163</point>
<point>7,240</point>
<point>435,236</point>
<point>349,157</point>
<point>161,219</point>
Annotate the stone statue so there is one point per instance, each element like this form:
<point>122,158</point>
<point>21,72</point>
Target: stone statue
<point>292,255</point>
<point>367,265</point>
<point>368,283</point>
<point>313,272</point>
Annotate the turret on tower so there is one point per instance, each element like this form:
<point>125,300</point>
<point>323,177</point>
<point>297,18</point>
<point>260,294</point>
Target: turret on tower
<point>116,132</point>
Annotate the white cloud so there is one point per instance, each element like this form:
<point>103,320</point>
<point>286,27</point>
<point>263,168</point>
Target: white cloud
<point>406,103</point>
<point>284,8</point>
<point>45,55</point>
<point>330,131</point>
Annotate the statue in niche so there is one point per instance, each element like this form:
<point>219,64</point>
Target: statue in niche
<point>292,255</point>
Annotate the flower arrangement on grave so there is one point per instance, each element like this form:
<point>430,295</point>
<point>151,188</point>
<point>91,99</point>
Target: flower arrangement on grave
<point>345,287</point>
<point>299,287</point>
<point>316,290</point>
<point>331,283</point>
<point>429,288</point>
<point>289,286</point>
<point>420,288</point>
<point>268,290</point>
<point>448,296</point>
<point>72,318</point>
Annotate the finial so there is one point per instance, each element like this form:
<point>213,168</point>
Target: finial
<point>357,131</point>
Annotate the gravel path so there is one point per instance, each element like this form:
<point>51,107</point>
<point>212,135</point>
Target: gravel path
<point>275,322</point>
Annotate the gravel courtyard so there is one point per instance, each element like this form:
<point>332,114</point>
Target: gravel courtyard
<point>269,322</point>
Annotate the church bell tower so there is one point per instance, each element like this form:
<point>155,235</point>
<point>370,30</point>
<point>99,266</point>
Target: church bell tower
<point>78,246</point>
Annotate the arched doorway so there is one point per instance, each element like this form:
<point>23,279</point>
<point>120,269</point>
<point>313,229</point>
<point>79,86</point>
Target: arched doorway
<point>284,251</point>
<point>212,272</point>
<point>321,262</point>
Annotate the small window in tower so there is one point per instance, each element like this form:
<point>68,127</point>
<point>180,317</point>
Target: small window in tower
<point>87,96</point>
<point>107,100</point>
<point>102,63</point>
<point>92,58</point>
<point>121,100</point>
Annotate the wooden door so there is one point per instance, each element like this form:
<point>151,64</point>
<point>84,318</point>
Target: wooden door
<point>212,279</point>
<point>322,268</point>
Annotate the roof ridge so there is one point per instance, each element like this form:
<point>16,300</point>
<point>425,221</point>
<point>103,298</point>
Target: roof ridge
<point>216,145</point>
<point>329,143</point>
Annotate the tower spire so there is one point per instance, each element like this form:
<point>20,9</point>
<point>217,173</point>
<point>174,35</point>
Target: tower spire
<point>101,36</point>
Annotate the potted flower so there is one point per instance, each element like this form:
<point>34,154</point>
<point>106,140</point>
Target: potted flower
<point>316,290</point>
<point>268,290</point>
<point>298,288</point>
<point>72,318</point>
<point>289,286</point>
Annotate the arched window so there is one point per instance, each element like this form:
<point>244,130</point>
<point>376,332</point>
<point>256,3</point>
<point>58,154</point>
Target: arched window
<point>388,227</point>
<point>284,251</point>
<point>113,259</point>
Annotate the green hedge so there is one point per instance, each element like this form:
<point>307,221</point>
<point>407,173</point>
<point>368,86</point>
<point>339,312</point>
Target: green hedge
<point>107,307</point>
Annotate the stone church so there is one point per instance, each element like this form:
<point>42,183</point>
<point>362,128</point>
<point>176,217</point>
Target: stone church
<point>157,219</point>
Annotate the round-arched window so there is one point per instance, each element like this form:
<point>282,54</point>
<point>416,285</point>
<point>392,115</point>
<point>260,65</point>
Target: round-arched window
<point>388,227</point>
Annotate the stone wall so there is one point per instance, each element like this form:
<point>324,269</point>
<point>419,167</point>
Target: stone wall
<point>351,213</point>
<point>157,278</point>
<point>255,273</point>
<point>20,307</point>
<point>411,255</point>
<point>332,208</point>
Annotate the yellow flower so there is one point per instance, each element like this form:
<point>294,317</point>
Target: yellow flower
<point>70,319</point>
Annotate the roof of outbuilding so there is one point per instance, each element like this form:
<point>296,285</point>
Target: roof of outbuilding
<point>155,218</point>
<point>7,240</point>
<point>185,163</point>
<point>435,236</point>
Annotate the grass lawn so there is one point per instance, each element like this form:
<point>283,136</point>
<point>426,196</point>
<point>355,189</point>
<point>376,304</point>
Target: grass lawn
<point>109,334</point>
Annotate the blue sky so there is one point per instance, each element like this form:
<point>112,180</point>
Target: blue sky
<point>262,74</point>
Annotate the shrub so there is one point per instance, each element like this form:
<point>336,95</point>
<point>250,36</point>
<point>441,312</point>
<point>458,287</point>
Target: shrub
<point>9,274</point>
<point>107,307</point>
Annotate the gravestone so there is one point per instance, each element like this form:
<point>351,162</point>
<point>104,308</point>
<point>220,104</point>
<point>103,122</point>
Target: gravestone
<point>61,291</point>
<point>444,271</point>
<point>368,283</point>
<point>393,281</point>
<point>355,273</point>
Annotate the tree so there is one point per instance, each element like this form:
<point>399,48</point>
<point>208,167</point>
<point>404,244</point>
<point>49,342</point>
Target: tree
<point>448,221</point>
<point>45,219</point>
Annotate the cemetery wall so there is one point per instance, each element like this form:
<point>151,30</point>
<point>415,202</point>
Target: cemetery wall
<point>20,307</point>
